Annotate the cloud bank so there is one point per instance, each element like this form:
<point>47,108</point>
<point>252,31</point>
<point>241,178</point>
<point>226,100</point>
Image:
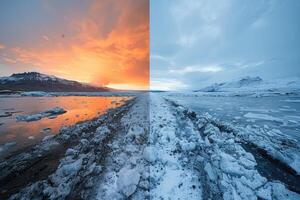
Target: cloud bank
<point>195,43</point>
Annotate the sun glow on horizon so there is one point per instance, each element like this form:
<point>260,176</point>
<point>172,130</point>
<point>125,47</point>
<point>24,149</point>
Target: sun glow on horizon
<point>128,87</point>
<point>103,43</point>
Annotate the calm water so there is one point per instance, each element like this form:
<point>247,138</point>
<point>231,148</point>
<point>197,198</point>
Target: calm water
<point>15,134</point>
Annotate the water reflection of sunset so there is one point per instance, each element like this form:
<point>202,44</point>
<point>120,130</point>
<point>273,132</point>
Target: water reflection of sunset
<point>79,108</point>
<point>99,42</point>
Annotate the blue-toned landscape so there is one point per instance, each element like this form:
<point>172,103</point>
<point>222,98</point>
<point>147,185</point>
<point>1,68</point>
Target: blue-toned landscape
<point>149,99</point>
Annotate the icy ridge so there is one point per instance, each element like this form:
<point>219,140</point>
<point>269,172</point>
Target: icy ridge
<point>276,144</point>
<point>126,172</point>
<point>171,173</point>
<point>231,170</point>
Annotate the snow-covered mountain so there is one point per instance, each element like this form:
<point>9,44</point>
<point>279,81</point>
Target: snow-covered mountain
<point>253,84</point>
<point>34,81</point>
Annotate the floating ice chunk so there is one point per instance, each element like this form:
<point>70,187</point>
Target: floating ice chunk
<point>46,130</point>
<point>260,110</point>
<point>29,118</point>
<point>56,111</point>
<point>48,113</point>
<point>128,180</point>
<point>237,117</point>
<point>47,137</point>
<point>52,117</point>
<point>35,94</point>
<point>5,114</point>
<point>6,146</point>
<point>262,117</point>
<point>292,100</point>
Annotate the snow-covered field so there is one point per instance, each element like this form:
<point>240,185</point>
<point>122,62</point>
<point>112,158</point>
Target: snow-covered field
<point>165,146</point>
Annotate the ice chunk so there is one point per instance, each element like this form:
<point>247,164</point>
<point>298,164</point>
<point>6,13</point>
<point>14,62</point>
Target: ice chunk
<point>48,113</point>
<point>128,180</point>
<point>262,117</point>
<point>6,146</point>
<point>47,137</point>
<point>35,94</point>
<point>5,114</point>
<point>187,146</point>
<point>229,165</point>
<point>72,168</point>
<point>211,174</point>
<point>150,154</point>
<point>292,100</point>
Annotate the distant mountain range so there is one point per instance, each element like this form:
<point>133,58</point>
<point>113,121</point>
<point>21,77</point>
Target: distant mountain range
<point>34,81</point>
<point>248,84</point>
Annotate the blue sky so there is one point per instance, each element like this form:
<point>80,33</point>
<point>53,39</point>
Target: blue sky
<point>194,43</point>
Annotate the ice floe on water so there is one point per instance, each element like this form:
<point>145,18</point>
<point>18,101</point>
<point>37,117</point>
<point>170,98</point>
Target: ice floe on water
<point>36,94</point>
<point>7,112</point>
<point>6,146</point>
<point>21,117</point>
<point>292,100</point>
<point>262,116</point>
<point>51,113</point>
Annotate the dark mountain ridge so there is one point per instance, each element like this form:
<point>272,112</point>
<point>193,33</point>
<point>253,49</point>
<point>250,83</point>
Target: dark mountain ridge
<point>34,81</point>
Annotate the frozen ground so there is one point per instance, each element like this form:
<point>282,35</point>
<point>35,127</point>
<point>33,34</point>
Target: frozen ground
<point>157,147</point>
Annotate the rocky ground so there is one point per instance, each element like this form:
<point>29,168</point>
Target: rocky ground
<point>150,148</point>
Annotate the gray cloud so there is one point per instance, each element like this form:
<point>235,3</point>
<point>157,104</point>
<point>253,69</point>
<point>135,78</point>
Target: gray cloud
<point>195,43</point>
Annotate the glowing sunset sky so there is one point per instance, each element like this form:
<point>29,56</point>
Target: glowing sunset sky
<point>103,42</point>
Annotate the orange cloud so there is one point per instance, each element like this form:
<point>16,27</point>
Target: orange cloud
<point>109,45</point>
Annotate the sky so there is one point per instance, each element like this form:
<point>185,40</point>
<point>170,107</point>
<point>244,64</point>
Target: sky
<point>194,43</point>
<point>102,42</point>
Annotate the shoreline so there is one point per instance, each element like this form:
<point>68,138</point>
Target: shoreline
<point>42,159</point>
